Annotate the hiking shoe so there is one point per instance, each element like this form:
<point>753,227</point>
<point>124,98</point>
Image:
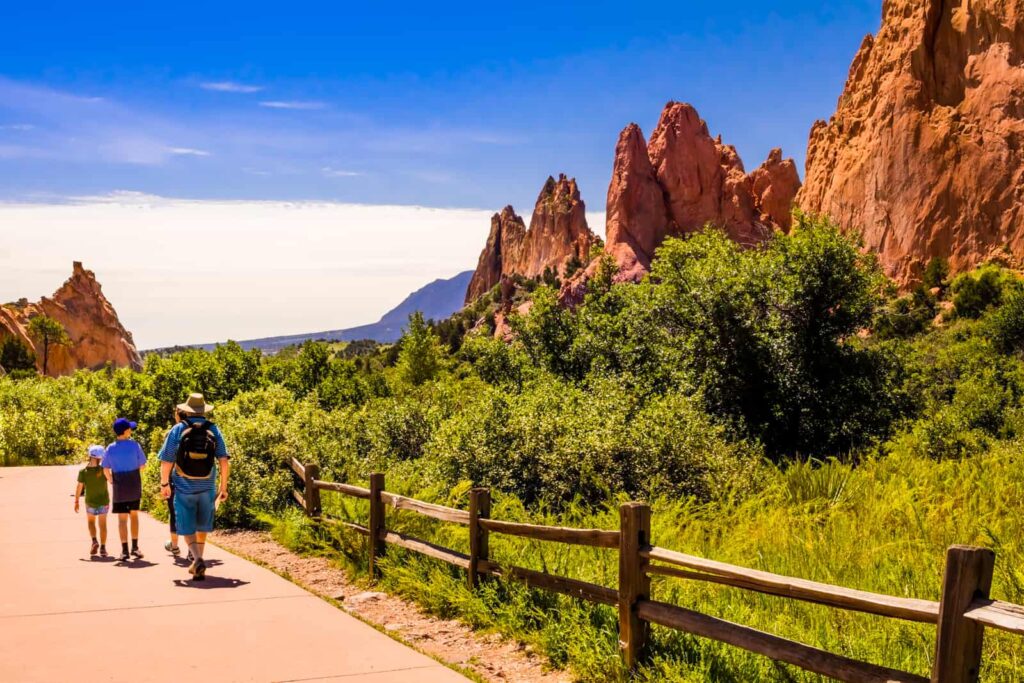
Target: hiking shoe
<point>197,569</point>
<point>137,554</point>
<point>172,549</point>
<point>94,549</point>
<point>124,557</point>
<point>103,551</point>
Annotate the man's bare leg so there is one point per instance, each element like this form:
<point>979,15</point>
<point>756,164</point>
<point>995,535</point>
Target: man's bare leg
<point>135,525</point>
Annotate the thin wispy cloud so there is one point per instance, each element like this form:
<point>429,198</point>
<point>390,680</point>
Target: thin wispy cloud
<point>293,104</point>
<point>230,86</point>
<point>339,172</point>
<point>188,152</point>
<point>17,126</point>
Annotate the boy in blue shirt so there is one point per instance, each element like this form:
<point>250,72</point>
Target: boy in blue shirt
<point>123,463</point>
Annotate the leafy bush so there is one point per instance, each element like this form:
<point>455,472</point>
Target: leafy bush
<point>977,291</point>
<point>50,421</point>
<point>16,357</point>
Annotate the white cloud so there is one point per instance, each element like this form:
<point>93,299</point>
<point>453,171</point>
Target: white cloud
<point>230,86</point>
<point>339,173</point>
<point>275,267</point>
<point>293,104</point>
<point>188,151</point>
<point>17,126</point>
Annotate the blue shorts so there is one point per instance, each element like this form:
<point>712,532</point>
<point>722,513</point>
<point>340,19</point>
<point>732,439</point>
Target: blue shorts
<point>101,510</point>
<point>194,511</point>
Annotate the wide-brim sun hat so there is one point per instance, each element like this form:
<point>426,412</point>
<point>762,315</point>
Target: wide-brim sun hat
<point>195,405</point>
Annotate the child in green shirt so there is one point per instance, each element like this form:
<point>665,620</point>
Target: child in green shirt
<point>93,481</point>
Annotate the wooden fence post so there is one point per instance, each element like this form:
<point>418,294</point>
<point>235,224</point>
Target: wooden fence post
<point>479,545</point>
<point>968,577</point>
<point>376,545</point>
<point>312,473</point>
<point>634,583</point>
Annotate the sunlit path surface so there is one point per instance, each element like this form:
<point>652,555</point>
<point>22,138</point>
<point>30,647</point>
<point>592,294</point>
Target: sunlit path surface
<point>65,617</point>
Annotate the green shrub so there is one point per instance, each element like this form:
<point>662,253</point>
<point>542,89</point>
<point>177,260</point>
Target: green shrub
<point>16,357</point>
<point>50,421</point>
<point>977,291</point>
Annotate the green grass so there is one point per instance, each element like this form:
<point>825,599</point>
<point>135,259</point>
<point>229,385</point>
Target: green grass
<point>883,526</point>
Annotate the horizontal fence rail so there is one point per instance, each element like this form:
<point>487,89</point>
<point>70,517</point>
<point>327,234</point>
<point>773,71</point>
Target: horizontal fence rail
<point>910,609</point>
<point>598,538</point>
<point>961,616</point>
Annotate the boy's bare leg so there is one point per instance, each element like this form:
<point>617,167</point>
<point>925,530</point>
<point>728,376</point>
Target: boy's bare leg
<point>135,525</point>
<point>103,529</point>
<point>122,526</point>
<point>91,519</point>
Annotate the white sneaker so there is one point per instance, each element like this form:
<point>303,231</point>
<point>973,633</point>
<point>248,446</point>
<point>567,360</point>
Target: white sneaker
<point>172,549</point>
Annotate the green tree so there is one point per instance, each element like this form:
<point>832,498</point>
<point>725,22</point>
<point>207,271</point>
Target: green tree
<point>936,273</point>
<point>16,356</point>
<point>420,357</point>
<point>312,366</point>
<point>547,333</point>
<point>47,333</point>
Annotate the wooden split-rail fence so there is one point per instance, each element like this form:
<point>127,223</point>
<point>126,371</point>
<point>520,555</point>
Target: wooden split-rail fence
<point>961,616</point>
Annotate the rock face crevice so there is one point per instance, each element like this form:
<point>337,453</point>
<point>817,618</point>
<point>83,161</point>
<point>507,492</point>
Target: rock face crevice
<point>558,235</point>
<point>97,335</point>
<point>683,179</point>
<point>924,155</point>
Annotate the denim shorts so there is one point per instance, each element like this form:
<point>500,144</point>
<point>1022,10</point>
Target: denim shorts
<point>194,511</point>
<point>101,510</point>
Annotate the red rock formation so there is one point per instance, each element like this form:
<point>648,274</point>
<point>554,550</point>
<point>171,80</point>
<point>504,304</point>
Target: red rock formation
<point>504,244</point>
<point>774,184</point>
<point>558,234</point>
<point>97,336</point>
<point>925,153</point>
<point>680,181</point>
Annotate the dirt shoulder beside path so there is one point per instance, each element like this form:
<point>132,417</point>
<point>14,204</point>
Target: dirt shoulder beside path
<point>487,655</point>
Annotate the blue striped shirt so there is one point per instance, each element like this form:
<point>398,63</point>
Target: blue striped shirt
<point>169,452</point>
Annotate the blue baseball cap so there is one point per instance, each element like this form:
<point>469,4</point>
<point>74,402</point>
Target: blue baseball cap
<point>122,425</point>
<point>97,451</point>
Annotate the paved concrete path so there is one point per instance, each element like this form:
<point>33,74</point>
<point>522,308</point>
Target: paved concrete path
<point>66,617</point>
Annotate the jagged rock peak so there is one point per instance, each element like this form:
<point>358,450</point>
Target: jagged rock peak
<point>924,155</point>
<point>96,335</point>
<point>683,179</point>
<point>558,235</point>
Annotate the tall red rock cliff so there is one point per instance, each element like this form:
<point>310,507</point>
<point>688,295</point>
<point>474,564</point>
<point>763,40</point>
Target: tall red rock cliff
<point>925,153</point>
<point>97,336</point>
<point>558,234</point>
<point>680,181</point>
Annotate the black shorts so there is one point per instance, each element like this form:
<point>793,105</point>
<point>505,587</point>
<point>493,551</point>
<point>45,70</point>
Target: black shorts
<point>125,506</point>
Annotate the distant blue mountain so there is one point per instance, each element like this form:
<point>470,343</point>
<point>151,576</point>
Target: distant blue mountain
<point>437,300</point>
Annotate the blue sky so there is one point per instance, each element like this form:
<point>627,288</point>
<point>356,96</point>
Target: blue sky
<point>456,105</point>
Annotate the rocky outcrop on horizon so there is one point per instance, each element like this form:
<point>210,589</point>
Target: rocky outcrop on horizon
<point>97,335</point>
<point>558,234</point>
<point>924,155</point>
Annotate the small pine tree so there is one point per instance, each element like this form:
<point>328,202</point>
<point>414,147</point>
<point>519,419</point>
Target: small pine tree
<point>47,333</point>
<point>936,273</point>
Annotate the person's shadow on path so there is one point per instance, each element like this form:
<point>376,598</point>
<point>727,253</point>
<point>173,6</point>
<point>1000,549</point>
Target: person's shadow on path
<point>135,564</point>
<point>210,582</point>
